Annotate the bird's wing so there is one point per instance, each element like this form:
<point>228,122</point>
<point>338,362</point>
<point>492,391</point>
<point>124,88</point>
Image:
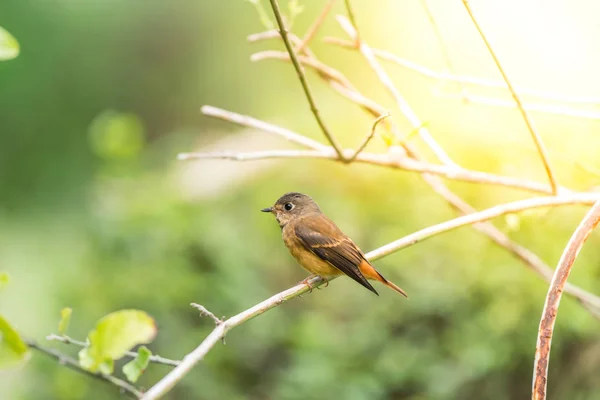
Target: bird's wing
<point>322,237</point>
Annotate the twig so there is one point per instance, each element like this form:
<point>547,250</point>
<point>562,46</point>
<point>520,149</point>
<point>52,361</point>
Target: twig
<point>442,44</point>
<point>557,285</point>
<point>245,120</point>
<point>308,61</point>
<point>314,27</point>
<point>367,138</point>
<point>74,365</point>
<point>205,312</point>
<point>543,108</point>
<point>156,359</point>
<point>530,126</point>
<point>458,173</point>
<point>475,81</point>
<point>398,98</point>
<point>303,81</point>
<point>352,19</point>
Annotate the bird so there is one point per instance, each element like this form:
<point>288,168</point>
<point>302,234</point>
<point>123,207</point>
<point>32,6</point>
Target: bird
<point>319,245</point>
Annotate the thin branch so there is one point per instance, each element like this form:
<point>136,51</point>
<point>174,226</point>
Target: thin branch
<point>156,359</point>
<point>204,312</point>
<point>543,108</point>
<point>441,43</point>
<point>530,126</point>
<point>557,286</point>
<point>302,78</point>
<point>308,61</point>
<point>245,120</point>
<point>352,19</point>
<point>312,31</point>
<point>256,155</point>
<point>367,138</point>
<point>74,365</point>
<point>470,80</point>
<point>398,98</point>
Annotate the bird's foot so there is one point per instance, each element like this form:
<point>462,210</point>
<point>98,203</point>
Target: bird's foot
<point>307,282</point>
<point>326,282</point>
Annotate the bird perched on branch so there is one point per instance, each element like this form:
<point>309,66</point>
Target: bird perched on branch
<point>319,245</point>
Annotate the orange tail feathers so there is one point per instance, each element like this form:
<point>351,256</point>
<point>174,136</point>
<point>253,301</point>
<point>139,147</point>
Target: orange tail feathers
<point>371,273</point>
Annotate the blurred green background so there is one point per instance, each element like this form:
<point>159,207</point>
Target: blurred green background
<point>97,214</point>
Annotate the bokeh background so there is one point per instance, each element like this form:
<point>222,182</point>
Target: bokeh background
<point>97,214</point>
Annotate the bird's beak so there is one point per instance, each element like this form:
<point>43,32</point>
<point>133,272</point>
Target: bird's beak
<point>268,209</point>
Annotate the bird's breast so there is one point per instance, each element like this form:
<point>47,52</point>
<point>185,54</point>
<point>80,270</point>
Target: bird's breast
<point>306,258</point>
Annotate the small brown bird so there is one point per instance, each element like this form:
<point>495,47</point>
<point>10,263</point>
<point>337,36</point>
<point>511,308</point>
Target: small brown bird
<point>319,245</point>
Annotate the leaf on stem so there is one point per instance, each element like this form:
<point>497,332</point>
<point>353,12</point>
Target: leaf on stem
<point>113,336</point>
<point>136,367</point>
<point>12,348</point>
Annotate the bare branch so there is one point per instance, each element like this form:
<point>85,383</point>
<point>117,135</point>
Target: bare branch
<point>303,81</point>
<point>312,31</point>
<point>156,359</point>
<point>352,19</point>
<point>543,108</point>
<point>470,80</point>
<point>245,120</point>
<point>557,286</point>
<point>74,365</point>
<point>532,130</point>
<point>308,61</point>
<point>441,42</point>
<point>400,101</point>
<point>205,312</point>
<point>367,139</point>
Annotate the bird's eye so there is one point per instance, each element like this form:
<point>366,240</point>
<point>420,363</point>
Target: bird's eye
<point>288,206</point>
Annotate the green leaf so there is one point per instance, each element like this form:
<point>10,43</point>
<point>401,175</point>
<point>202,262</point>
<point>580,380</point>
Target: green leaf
<point>117,136</point>
<point>136,367</point>
<point>12,348</point>
<point>4,279</point>
<point>114,335</point>
<point>9,47</point>
<point>65,319</point>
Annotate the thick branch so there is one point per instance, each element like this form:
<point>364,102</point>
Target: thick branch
<point>557,286</point>
<point>74,365</point>
<point>303,81</point>
<point>530,126</point>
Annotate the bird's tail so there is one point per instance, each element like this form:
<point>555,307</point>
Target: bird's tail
<point>392,285</point>
<point>371,273</point>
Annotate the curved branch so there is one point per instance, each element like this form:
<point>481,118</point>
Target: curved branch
<point>539,144</point>
<point>557,286</point>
